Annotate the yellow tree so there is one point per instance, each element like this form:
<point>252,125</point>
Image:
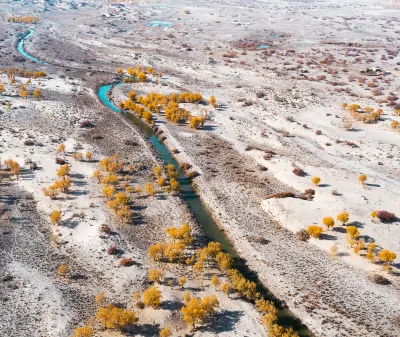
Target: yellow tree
<point>155,275</point>
<point>61,148</point>
<point>352,231</point>
<point>226,288</point>
<point>387,257</point>
<point>109,192</point>
<point>150,189</point>
<point>328,222</point>
<point>182,281</point>
<point>84,331</point>
<point>362,178</point>
<point>213,102</point>
<point>63,270</point>
<point>343,217</point>
<point>316,180</point>
<point>89,156</point>
<point>152,297</point>
<point>37,93</point>
<point>63,171</point>
<point>98,175</point>
<point>215,281</point>
<point>55,217</point>
<point>166,332</point>
<point>24,94</point>
<point>314,231</point>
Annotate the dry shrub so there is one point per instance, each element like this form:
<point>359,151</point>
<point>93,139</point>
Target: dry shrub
<point>281,195</point>
<point>29,142</point>
<point>106,229</point>
<point>299,172</point>
<point>60,161</point>
<point>130,142</point>
<point>126,261</point>
<point>86,124</point>
<point>185,166</point>
<point>302,235</point>
<point>379,279</point>
<point>112,250</point>
<point>193,174</point>
<point>385,216</point>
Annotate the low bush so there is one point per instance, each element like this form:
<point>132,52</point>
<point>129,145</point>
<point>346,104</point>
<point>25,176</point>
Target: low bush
<point>29,142</point>
<point>60,161</point>
<point>112,250</point>
<point>299,172</point>
<point>86,124</point>
<point>126,261</point>
<point>106,229</point>
<point>193,174</point>
<point>385,216</point>
<point>281,195</point>
<point>379,279</point>
<point>302,235</point>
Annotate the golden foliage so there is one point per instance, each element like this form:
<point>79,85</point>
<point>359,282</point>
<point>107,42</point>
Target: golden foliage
<point>182,281</point>
<point>196,309</point>
<point>63,270</point>
<point>55,217</point>
<point>155,275</point>
<point>166,332</point>
<point>362,178</point>
<point>152,297</point>
<point>352,231</point>
<point>328,222</point>
<point>316,180</point>
<point>84,331</point>
<point>314,231</point>
<point>112,317</point>
<point>343,217</point>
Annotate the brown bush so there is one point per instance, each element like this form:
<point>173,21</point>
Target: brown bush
<point>60,161</point>
<point>185,166</point>
<point>385,216</point>
<point>29,142</point>
<point>302,235</point>
<point>193,174</point>
<point>299,172</point>
<point>126,261</point>
<point>281,195</point>
<point>112,250</point>
<point>106,229</point>
<point>379,279</point>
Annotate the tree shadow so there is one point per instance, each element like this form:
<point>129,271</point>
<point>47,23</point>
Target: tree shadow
<point>325,236</point>
<point>324,185</point>
<point>339,229</point>
<point>373,185</point>
<point>147,330</point>
<point>171,305</point>
<point>223,321</point>
<point>356,224</point>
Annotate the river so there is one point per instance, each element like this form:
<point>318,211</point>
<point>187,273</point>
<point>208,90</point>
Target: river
<point>198,209</point>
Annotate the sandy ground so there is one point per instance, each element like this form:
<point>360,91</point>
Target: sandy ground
<point>90,42</point>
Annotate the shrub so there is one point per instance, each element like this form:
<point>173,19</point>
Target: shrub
<point>126,261</point>
<point>385,216</point>
<point>86,124</point>
<point>318,132</point>
<point>29,142</point>
<point>314,231</point>
<point>379,279</point>
<point>299,172</point>
<point>60,161</point>
<point>193,174</point>
<point>152,297</point>
<point>343,217</point>
<point>303,235</point>
<point>112,250</point>
<point>281,195</point>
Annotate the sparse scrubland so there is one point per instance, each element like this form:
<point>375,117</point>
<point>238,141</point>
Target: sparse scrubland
<point>283,117</point>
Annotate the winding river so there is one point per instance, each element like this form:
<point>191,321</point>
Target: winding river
<point>199,211</point>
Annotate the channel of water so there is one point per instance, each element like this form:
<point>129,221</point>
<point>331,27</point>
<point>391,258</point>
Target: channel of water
<point>198,209</point>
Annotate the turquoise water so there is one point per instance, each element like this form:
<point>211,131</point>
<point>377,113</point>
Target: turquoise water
<point>201,214</point>
<point>161,24</point>
<point>21,48</point>
<point>263,46</point>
